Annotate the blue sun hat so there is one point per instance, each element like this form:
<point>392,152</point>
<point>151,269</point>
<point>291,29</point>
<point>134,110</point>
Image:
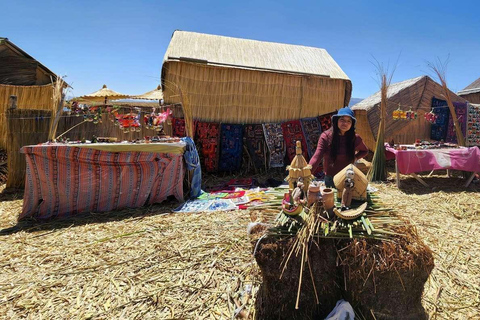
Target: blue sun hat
<point>345,112</point>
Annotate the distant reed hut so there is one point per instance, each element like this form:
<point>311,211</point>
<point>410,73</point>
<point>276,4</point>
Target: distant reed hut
<point>471,93</point>
<point>414,94</point>
<point>237,80</point>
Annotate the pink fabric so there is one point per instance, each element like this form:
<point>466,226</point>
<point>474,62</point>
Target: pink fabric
<point>413,160</point>
<point>65,180</point>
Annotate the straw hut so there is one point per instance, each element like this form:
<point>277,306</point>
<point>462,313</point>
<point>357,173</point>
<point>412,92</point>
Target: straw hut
<point>414,94</point>
<point>236,80</point>
<point>24,77</point>
<point>471,93</point>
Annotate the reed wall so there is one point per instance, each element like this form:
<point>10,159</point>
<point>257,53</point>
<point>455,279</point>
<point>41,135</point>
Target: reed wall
<point>28,98</point>
<point>472,97</point>
<point>247,96</point>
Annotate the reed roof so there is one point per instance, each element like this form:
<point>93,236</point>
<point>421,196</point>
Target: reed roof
<point>103,93</point>
<point>251,54</point>
<point>393,89</point>
<point>473,87</point>
<point>6,45</point>
<point>156,94</point>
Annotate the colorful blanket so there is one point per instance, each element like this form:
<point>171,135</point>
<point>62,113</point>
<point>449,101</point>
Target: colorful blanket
<point>311,130</point>
<point>178,127</point>
<point>256,146</point>
<point>292,132</point>
<point>438,130</point>
<point>64,180</point>
<point>275,144</point>
<point>231,146</point>
<point>326,120</point>
<point>207,137</point>
<point>461,111</point>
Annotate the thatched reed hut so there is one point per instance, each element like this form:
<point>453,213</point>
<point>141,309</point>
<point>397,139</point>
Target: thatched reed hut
<point>28,122</point>
<point>22,76</point>
<point>413,94</point>
<point>236,80</point>
<point>471,93</point>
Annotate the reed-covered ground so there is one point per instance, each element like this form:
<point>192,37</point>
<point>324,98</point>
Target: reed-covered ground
<point>149,264</point>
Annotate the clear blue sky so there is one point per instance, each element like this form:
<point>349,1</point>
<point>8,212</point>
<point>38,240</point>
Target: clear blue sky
<point>122,43</point>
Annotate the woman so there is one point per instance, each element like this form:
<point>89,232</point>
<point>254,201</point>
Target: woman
<point>338,146</point>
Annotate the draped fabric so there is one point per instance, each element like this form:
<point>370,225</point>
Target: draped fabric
<point>256,145</point>
<point>292,132</point>
<point>193,163</point>
<point>231,146</point>
<point>461,112</point>
<point>438,130</point>
<point>326,120</point>
<point>207,138</point>
<point>65,180</point>
<point>275,144</point>
<point>178,127</point>
<point>311,130</point>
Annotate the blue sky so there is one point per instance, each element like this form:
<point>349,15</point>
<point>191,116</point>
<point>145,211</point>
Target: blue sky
<point>122,43</point>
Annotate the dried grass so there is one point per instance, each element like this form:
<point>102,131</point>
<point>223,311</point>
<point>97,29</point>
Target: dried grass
<point>144,264</point>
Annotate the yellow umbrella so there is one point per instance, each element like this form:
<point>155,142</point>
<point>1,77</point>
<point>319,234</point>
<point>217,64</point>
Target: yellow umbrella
<point>156,94</point>
<point>104,95</point>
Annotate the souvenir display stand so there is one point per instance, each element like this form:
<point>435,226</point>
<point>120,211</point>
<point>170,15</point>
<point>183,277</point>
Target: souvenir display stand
<point>64,180</point>
<point>320,251</point>
<point>65,177</point>
<point>411,159</point>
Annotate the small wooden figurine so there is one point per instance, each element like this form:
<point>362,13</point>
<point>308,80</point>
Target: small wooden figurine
<point>347,189</point>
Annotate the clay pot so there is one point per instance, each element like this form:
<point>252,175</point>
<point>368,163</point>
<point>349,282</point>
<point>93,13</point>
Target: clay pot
<point>328,199</point>
<point>313,194</point>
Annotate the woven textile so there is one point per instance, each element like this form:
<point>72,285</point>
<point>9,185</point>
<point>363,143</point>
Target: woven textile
<point>311,130</point>
<point>193,163</point>
<point>207,137</point>
<point>461,111</point>
<point>292,132</point>
<point>231,146</point>
<point>256,146</point>
<point>178,127</point>
<point>438,130</point>
<point>326,120</point>
<point>275,144</point>
<point>63,180</point>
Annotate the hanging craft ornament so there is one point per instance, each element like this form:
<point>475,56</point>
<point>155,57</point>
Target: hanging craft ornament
<point>155,120</point>
<point>397,114</point>
<point>431,117</point>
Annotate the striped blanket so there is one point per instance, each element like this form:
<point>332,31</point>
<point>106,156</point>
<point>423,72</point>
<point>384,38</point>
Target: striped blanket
<point>65,180</point>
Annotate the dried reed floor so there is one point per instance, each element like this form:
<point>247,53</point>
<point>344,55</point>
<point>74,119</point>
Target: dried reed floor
<point>143,264</point>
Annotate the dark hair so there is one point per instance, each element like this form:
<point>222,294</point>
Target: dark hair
<point>350,140</point>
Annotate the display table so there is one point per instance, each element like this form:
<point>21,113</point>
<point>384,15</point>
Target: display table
<point>63,180</point>
<point>412,161</point>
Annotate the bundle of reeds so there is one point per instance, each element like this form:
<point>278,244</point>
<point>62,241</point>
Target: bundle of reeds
<point>440,69</point>
<point>378,171</point>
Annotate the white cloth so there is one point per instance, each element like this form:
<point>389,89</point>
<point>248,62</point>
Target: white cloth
<point>342,311</point>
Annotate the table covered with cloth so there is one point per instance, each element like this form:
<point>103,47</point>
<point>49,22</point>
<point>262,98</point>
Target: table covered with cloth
<point>63,180</point>
<point>419,160</point>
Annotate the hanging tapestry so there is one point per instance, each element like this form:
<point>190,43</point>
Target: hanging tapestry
<point>326,120</point>
<point>255,141</point>
<point>311,130</point>
<point>178,127</point>
<point>473,125</point>
<point>438,130</point>
<point>231,146</point>
<point>292,132</point>
<point>275,144</point>
<point>461,112</point>
<point>207,136</point>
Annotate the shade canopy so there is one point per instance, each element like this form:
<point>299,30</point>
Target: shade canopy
<point>103,95</point>
<point>156,94</point>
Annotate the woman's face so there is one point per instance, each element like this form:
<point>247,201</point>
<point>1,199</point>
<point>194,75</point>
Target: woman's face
<point>344,124</point>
